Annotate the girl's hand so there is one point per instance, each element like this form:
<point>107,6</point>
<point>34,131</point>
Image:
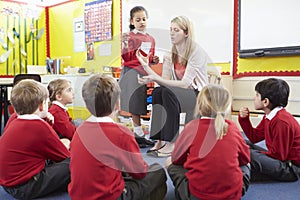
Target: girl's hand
<point>155,60</point>
<point>244,112</point>
<point>144,60</point>
<point>125,38</point>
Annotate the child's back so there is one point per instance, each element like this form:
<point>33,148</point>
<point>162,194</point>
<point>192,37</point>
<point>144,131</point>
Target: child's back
<point>209,148</point>
<point>101,151</point>
<point>209,159</point>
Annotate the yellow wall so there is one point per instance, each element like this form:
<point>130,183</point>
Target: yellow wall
<point>269,64</point>
<point>61,37</point>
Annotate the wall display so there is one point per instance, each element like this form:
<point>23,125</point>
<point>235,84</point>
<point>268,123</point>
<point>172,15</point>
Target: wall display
<point>20,36</point>
<point>98,21</point>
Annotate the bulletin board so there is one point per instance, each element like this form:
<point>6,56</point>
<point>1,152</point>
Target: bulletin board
<point>212,21</point>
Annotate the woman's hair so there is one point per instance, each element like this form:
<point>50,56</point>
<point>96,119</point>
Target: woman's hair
<point>276,90</point>
<point>56,87</point>
<point>27,95</point>
<point>100,94</point>
<point>214,101</point>
<point>184,24</point>
<point>133,11</point>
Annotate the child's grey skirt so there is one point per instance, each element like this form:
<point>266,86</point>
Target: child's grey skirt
<point>133,95</point>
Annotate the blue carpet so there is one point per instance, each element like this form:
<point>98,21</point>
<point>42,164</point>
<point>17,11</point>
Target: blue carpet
<point>257,191</point>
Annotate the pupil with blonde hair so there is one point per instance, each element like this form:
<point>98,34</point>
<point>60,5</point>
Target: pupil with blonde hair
<point>208,148</point>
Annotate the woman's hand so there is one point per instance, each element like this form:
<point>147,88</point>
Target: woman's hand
<point>145,79</point>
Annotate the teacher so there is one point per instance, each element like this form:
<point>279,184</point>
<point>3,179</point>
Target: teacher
<point>183,76</point>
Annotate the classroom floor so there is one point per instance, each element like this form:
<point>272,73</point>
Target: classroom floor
<point>257,191</point>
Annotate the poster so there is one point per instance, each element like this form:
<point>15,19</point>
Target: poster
<point>79,41</point>
<point>90,51</point>
<point>98,21</point>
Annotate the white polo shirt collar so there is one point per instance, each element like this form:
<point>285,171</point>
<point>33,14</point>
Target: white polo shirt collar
<point>60,105</point>
<point>137,31</point>
<point>272,114</point>
<point>100,119</point>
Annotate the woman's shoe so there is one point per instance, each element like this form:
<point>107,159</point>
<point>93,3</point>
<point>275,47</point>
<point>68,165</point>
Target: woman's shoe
<point>159,154</point>
<point>151,150</point>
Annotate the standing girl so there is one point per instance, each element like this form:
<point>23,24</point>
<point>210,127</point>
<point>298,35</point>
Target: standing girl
<point>184,75</point>
<point>209,148</point>
<point>133,94</point>
<point>61,94</point>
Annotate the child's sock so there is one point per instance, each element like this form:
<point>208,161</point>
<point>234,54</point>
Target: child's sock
<point>138,131</point>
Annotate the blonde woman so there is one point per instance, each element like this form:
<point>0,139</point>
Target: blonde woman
<point>183,76</point>
<point>210,156</point>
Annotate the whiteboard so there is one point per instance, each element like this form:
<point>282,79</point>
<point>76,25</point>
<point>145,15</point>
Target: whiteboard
<point>212,21</point>
<point>269,24</point>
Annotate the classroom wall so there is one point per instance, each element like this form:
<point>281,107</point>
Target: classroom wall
<point>213,25</point>
<point>62,38</point>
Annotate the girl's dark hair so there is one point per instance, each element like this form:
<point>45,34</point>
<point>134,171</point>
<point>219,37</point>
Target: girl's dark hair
<point>276,90</point>
<point>133,11</point>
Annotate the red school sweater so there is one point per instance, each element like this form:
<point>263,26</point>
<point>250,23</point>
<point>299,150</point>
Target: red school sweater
<point>24,147</point>
<point>100,151</point>
<point>213,165</point>
<point>62,121</point>
<point>129,54</point>
<point>282,135</point>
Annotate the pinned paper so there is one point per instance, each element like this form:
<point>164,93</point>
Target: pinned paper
<point>105,49</point>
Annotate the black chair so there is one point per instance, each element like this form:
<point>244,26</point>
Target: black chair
<point>19,77</point>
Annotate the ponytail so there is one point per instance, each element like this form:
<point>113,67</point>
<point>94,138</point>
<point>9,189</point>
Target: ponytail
<point>220,125</point>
